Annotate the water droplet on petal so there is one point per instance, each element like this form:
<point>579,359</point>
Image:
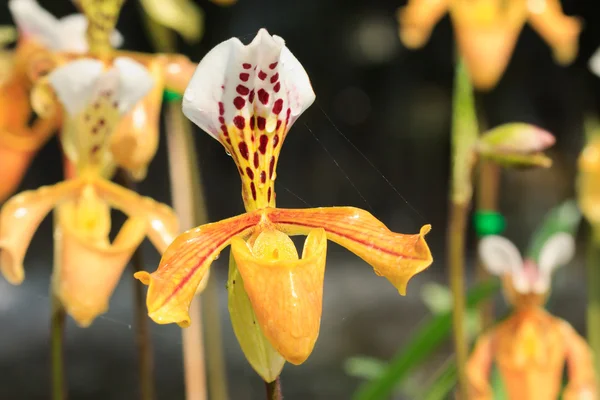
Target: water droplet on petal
<point>228,153</point>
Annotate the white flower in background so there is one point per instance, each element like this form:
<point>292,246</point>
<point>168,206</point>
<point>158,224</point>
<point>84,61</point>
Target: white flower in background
<point>594,63</point>
<point>64,34</point>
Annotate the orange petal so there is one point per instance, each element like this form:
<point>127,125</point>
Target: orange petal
<point>134,143</point>
<point>87,269</point>
<point>19,219</point>
<point>161,222</point>
<point>558,30</point>
<point>259,352</point>
<point>184,264</point>
<point>417,20</point>
<point>286,293</point>
<point>486,35</point>
<point>396,256</point>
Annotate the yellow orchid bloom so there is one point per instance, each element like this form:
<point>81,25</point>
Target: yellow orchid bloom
<point>532,346</point>
<point>95,96</point>
<point>487,30</point>
<point>248,97</point>
<point>45,43</point>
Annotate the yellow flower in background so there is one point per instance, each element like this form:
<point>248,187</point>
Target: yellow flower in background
<point>486,31</point>
<point>248,97</point>
<point>531,347</point>
<point>45,43</point>
<point>95,96</point>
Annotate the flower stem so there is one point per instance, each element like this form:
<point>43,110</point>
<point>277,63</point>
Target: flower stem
<point>274,389</point>
<point>464,136</point>
<point>57,350</point>
<point>144,342</point>
<point>456,268</point>
<point>593,290</point>
<point>488,183</point>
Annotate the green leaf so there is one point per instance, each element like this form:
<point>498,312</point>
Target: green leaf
<point>364,367</point>
<point>425,340</point>
<point>442,385</point>
<point>563,218</point>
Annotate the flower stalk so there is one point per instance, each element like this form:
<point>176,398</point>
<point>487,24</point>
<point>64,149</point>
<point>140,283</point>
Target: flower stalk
<point>57,332</point>
<point>464,139</point>
<point>589,203</point>
<point>274,389</point>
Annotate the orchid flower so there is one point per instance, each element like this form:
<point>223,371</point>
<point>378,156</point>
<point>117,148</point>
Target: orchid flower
<point>531,346</point>
<point>487,30</point>
<point>247,98</point>
<point>46,42</point>
<point>40,35</point>
<point>95,96</point>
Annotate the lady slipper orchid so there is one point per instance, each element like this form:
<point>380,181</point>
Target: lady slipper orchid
<point>40,36</point>
<point>248,97</point>
<point>95,96</point>
<point>531,347</point>
<point>487,30</point>
<point>45,43</point>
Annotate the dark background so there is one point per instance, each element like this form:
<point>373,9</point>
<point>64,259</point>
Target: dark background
<point>391,104</point>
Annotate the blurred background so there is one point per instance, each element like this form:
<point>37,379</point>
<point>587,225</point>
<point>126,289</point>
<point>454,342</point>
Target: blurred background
<point>382,114</point>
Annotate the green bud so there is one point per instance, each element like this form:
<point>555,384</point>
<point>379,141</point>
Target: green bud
<point>516,145</point>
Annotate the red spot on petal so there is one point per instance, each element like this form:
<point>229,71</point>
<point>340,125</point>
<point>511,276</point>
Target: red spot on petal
<point>246,66</point>
<point>252,119</point>
<point>225,131</point>
<point>263,176</point>
<point>274,78</point>
<point>221,108</point>
<point>251,96</point>
<point>250,173</point>
<point>228,141</point>
<point>239,103</point>
<point>272,167</point>
<point>262,147</point>
<point>243,147</point>
<point>261,122</point>
<point>244,76</point>
<point>252,138</point>
<point>269,195</point>
<point>239,122</point>
<point>253,189</point>
<point>241,171</point>
<point>275,141</point>
<point>222,120</point>
<point>277,87</point>
<point>262,75</point>
<point>95,149</point>
<point>278,106</point>
<point>278,125</point>
<point>243,90</point>
<point>255,160</point>
<point>274,65</point>
<point>287,117</point>
<point>263,96</point>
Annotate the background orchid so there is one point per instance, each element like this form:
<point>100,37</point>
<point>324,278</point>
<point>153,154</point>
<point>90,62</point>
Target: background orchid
<point>486,31</point>
<point>247,97</point>
<point>531,346</point>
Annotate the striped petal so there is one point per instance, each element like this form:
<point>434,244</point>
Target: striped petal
<point>185,262</point>
<point>396,256</point>
<point>286,292</point>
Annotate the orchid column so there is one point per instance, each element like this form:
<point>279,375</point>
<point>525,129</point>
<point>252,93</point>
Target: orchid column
<point>248,97</point>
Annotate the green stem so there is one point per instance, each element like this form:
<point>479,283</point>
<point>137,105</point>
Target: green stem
<point>465,133</point>
<point>456,262</point>
<point>488,183</point>
<point>58,319</point>
<point>593,290</point>
<point>274,389</point>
